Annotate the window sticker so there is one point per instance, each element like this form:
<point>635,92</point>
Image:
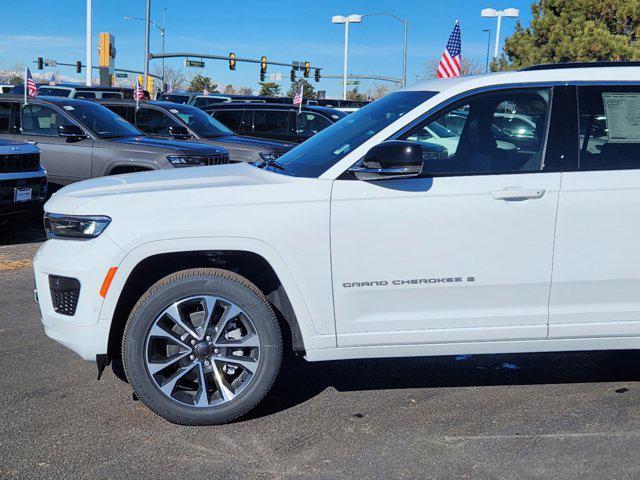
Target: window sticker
<point>622,112</point>
<point>68,107</point>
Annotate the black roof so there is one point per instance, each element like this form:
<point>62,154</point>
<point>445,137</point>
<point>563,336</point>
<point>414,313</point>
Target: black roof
<point>271,106</point>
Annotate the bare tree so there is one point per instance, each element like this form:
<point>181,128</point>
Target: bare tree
<point>379,91</point>
<point>176,78</point>
<point>229,90</point>
<point>245,91</point>
<point>467,67</point>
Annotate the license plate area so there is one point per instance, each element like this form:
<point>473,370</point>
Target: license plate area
<point>22,194</point>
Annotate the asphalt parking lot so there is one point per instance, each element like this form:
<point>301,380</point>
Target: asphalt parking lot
<point>574,415</point>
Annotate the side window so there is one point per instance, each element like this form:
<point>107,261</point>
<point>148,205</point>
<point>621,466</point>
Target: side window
<point>272,121</point>
<point>230,118</point>
<point>111,95</point>
<point>41,120</point>
<point>309,123</point>
<point>497,132</point>
<point>609,127</point>
<point>154,121</point>
<point>84,95</point>
<point>5,117</point>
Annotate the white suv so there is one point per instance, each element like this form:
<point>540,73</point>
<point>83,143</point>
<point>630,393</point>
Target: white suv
<point>361,243</point>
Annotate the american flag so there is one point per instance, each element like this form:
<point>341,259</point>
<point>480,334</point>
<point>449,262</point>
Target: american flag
<point>449,66</point>
<point>205,92</point>
<point>297,99</point>
<point>30,85</point>
<point>138,93</point>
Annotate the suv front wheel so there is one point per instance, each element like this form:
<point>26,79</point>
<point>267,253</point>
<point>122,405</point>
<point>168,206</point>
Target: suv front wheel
<point>202,347</point>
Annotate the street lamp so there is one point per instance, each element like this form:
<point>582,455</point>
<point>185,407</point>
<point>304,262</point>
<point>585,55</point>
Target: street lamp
<point>405,23</point>
<point>162,32</point>
<point>488,30</point>
<point>490,13</point>
<point>346,20</point>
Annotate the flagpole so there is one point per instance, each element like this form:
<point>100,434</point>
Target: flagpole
<point>25,84</point>
<point>300,105</point>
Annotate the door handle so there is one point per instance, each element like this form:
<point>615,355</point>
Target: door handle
<point>511,193</point>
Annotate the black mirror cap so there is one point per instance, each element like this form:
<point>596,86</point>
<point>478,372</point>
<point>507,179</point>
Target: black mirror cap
<point>179,131</point>
<point>393,153</point>
<point>71,131</point>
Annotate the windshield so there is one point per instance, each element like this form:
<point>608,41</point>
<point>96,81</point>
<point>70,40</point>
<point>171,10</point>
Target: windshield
<point>54,92</point>
<point>323,150</point>
<point>203,124</point>
<point>169,97</point>
<point>100,120</point>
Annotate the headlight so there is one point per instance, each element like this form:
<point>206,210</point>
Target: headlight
<point>185,160</point>
<point>269,156</point>
<point>74,226</point>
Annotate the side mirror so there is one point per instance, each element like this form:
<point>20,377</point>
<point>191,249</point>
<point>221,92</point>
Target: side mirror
<point>71,131</point>
<point>389,160</point>
<point>179,131</point>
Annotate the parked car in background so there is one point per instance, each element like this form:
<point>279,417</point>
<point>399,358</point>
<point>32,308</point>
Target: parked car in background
<point>23,181</point>
<point>81,91</point>
<point>198,99</point>
<point>5,88</point>
<point>79,139</point>
<point>276,121</point>
<point>184,122</point>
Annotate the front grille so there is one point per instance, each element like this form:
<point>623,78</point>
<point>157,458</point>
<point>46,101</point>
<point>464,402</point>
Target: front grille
<point>24,162</point>
<point>218,159</point>
<point>64,294</point>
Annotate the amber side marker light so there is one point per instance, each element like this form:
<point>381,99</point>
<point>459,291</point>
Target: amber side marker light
<point>107,281</point>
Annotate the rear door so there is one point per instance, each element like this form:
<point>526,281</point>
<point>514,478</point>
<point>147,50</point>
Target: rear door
<point>66,160</point>
<point>596,272</point>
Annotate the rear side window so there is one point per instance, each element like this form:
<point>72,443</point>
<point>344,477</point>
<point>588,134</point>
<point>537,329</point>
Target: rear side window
<point>230,118</point>
<point>5,117</point>
<point>272,121</point>
<point>85,95</point>
<point>111,95</point>
<point>122,110</point>
<point>609,127</point>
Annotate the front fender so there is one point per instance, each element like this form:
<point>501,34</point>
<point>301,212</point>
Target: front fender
<point>312,339</point>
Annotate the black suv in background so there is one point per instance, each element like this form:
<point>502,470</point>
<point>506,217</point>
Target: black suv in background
<point>79,139</point>
<point>184,122</point>
<point>23,182</point>
<point>199,99</point>
<point>275,121</point>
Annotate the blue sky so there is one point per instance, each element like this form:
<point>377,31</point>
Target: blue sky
<point>283,30</point>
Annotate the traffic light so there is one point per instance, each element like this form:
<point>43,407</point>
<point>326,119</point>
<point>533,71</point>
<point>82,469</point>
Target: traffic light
<point>293,75</point>
<point>317,75</point>
<point>307,69</point>
<point>263,68</point>
<point>40,63</point>
<point>232,61</point>
<point>78,66</point>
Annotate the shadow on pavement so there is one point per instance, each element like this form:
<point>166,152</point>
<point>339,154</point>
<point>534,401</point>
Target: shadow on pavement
<point>300,381</point>
<point>27,229</point>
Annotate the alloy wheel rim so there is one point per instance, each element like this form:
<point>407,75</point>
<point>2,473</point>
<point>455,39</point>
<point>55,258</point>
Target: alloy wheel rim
<point>202,351</point>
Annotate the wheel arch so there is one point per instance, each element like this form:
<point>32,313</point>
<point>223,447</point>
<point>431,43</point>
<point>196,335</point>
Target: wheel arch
<point>246,263</point>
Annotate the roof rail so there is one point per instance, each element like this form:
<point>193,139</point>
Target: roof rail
<point>554,66</point>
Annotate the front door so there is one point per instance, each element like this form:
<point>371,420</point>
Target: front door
<point>462,253</point>
<point>66,160</point>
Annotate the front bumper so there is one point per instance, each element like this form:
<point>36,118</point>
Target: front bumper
<point>84,332</point>
<point>35,181</point>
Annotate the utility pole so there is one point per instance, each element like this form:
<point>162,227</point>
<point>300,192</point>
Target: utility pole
<point>88,76</point>
<point>146,44</point>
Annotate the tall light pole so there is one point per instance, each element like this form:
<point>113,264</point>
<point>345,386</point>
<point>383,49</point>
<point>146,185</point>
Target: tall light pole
<point>162,34</point>
<point>488,30</point>
<point>405,23</point>
<point>346,20</point>
<point>490,13</point>
<point>88,74</point>
<point>146,44</point>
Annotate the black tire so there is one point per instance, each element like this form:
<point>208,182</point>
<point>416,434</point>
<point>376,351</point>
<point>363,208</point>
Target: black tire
<point>187,283</point>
